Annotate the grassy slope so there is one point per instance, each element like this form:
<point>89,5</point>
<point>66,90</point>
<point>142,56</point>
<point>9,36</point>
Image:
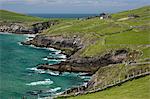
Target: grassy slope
<point>105,35</point>
<point>135,89</point>
<point>10,17</point>
<point>104,32</point>
<point>16,17</point>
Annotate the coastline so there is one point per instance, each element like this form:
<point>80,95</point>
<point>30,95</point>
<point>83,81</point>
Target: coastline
<point>116,51</point>
<point>52,73</point>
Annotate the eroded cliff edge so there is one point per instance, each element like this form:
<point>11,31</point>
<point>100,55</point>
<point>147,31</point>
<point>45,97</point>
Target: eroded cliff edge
<point>72,47</point>
<point>22,28</point>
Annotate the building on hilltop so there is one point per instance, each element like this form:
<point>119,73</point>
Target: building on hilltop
<point>104,16</point>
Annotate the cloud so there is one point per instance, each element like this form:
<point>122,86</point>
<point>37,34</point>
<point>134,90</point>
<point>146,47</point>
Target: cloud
<point>67,6</point>
<point>78,2</point>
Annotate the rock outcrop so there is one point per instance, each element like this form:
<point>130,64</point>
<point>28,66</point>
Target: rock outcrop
<point>88,65</point>
<point>68,45</point>
<point>21,28</point>
<point>72,45</point>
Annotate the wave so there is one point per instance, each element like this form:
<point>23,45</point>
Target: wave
<point>58,52</point>
<point>28,39</point>
<point>85,77</point>
<point>19,43</point>
<point>45,48</point>
<point>57,60</point>
<point>30,35</point>
<point>45,59</point>
<point>62,56</point>
<point>54,90</point>
<point>52,49</point>
<point>55,73</point>
<point>41,71</point>
<point>45,82</point>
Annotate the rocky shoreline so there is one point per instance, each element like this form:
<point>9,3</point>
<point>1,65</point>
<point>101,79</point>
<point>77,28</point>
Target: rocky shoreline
<point>21,28</point>
<point>87,65</point>
<point>70,46</point>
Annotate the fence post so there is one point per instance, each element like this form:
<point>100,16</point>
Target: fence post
<point>119,79</point>
<point>127,76</point>
<point>146,70</point>
<point>140,71</point>
<point>78,88</point>
<point>94,87</point>
<point>114,82</point>
<point>133,74</point>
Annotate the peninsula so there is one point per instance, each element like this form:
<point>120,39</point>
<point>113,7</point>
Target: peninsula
<point>112,48</point>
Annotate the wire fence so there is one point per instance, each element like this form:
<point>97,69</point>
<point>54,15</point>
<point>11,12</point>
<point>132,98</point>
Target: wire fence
<point>81,89</point>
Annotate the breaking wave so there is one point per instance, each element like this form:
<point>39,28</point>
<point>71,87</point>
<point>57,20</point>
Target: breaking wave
<point>57,60</point>
<point>54,73</point>
<point>45,82</point>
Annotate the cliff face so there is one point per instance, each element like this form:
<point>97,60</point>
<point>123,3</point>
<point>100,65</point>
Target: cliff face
<point>20,28</point>
<point>70,46</point>
<point>88,65</point>
<point>67,45</point>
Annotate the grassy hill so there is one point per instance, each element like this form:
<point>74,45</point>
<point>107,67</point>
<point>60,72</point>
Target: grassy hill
<point>17,17</point>
<point>102,36</point>
<point>109,34</point>
<point>135,89</point>
<point>121,31</point>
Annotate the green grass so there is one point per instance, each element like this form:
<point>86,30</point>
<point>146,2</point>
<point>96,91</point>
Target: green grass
<point>17,17</point>
<point>101,36</point>
<point>143,11</point>
<point>131,37</point>
<point>135,89</point>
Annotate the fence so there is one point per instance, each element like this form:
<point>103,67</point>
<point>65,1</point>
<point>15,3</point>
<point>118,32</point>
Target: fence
<point>80,89</point>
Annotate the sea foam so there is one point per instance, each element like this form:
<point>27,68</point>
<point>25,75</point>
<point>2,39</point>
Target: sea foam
<point>54,90</point>
<point>45,82</point>
<point>57,60</point>
<point>41,71</point>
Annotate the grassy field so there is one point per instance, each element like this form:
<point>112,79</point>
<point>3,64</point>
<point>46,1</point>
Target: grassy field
<point>16,17</point>
<point>99,37</point>
<point>135,89</point>
<point>108,34</point>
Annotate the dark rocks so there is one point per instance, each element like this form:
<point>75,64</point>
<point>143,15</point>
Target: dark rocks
<point>38,27</point>
<point>20,28</point>
<point>71,45</point>
<point>15,28</point>
<point>68,45</point>
<point>88,65</point>
<point>133,16</point>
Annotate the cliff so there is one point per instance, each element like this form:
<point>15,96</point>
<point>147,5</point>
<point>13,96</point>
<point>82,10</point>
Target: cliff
<point>23,24</point>
<point>94,46</point>
<point>21,28</point>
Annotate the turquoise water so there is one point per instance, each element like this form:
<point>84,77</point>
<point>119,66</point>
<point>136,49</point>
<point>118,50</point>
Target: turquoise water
<point>18,74</point>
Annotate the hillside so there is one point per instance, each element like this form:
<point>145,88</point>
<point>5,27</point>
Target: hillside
<point>23,24</point>
<point>17,17</point>
<point>92,42</point>
<point>116,46</point>
<point>135,89</point>
<point>108,34</point>
<point>126,33</point>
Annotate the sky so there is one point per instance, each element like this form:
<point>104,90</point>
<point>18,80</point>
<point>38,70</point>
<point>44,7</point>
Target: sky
<point>71,6</point>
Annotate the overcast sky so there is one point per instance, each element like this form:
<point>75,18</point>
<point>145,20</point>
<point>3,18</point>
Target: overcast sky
<point>71,6</point>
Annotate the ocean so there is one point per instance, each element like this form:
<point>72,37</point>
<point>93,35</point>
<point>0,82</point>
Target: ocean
<point>62,15</point>
<point>19,76</point>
